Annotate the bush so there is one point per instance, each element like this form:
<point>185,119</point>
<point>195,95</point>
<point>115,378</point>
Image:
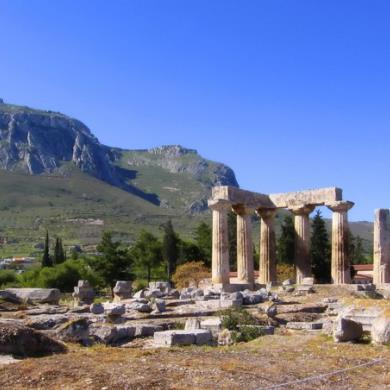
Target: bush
<point>190,273</point>
<point>241,323</point>
<point>63,276</point>
<point>8,278</point>
<point>285,271</point>
<point>234,317</point>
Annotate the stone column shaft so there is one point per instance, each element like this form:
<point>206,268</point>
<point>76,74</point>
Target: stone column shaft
<point>245,269</point>
<point>341,273</point>
<point>381,272</point>
<point>267,268</point>
<point>220,249</point>
<point>302,241</point>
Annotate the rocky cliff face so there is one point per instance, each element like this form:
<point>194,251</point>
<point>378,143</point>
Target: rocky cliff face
<point>40,142</point>
<point>176,159</point>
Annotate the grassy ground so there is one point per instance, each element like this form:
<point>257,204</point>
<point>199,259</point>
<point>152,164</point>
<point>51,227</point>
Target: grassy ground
<point>259,364</point>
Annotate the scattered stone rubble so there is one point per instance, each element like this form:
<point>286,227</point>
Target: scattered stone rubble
<point>156,311</point>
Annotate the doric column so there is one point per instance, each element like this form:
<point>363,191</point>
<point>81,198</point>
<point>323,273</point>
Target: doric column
<point>302,241</point>
<point>341,273</point>
<point>245,272</point>
<point>381,272</point>
<point>220,252</point>
<point>267,269</point>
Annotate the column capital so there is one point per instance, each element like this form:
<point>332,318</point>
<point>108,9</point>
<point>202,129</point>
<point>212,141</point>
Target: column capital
<point>219,204</point>
<point>266,214</point>
<point>340,206</point>
<point>304,209</point>
<point>241,209</point>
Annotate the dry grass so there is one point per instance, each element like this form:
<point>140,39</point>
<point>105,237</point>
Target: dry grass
<point>258,364</point>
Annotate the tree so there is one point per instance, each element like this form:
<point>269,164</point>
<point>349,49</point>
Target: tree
<point>189,251</point>
<point>147,252</point>
<point>320,250</point>
<point>113,262</point>
<point>190,273</point>
<point>59,253</point>
<point>203,239</point>
<point>357,252</point>
<point>286,242</point>
<point>170,248</point>
<point>46,259</point>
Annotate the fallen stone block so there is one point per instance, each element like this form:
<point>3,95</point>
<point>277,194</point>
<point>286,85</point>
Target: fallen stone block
<point>192,323</point>
<point>112,335</point>
<point>158,306</point>
<point>287,282</point>
<point>380,329</point>
<point>96,308</point>
<point>140,307</point>
<point>75,331</point>
<point>36,295</point>
<point>147,330</point>
<point>304,325</point>
<point>304,289</point>
<point>307,281</point>
<point>213,324</point>
<point>169,338</point>
<point>46,321</point>
<point>122,290</point>
<point>347,330</point>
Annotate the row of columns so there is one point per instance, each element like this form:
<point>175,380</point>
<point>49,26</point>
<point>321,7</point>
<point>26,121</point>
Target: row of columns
<point>267,269</point>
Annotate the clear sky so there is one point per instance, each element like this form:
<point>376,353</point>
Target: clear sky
<point>291,94</point>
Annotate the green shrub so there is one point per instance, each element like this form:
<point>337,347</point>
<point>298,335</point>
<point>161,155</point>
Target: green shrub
<point>241,323</point>
<point>8,278</point>
<point>234,317</point>
<point>63,276</point>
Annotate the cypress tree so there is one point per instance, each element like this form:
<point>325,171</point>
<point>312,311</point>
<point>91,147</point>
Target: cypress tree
<point>320,250</point>
<point>286,241</point>
<point>46,259</point>
<point>59,254</point>
<point>170,248</point>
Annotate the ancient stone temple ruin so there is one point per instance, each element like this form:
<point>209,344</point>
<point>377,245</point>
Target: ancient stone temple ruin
<point>244,203</point>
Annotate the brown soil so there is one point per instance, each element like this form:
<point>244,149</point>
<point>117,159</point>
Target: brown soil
<point>260,364</point>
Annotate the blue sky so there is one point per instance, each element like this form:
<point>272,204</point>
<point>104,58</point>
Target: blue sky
<point>291,94</point>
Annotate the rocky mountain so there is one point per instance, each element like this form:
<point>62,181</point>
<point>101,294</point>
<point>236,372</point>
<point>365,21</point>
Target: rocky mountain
<point>40,142</point>
<point>56,175</point>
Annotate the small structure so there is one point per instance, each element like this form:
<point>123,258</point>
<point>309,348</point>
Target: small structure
<point>244,203</point>
<point>122,290</point>
<point>83,293</point>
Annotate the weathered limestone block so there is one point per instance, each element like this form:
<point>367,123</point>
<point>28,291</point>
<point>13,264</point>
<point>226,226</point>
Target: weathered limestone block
<point>225,337</point>
<point>347,330</point>
<point>341,273</point>
<point>96,308</point>
<point>267,269</point>
<point>213,324</point>
<point>83,293</point>
<point>114,311</point>
<point>35,295</point>
<point>163,286</point>
<point>304,325</point>
<point>169,338</point>
<point>302,241</point>
<point>141,307</point>
<point>147,330</point>
<point>75,331</point>
<point>380,329</point>
<point>220,250</point>
<point>245,270</point>
<point>122,290</point>
<point>46,321</point>
<point>112,335</point>
<point>192,323</point>
<point>381,271</point>
<point>158,306</point>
